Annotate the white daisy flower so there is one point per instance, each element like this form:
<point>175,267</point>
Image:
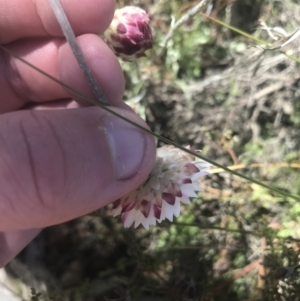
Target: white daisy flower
<point>173,180</point>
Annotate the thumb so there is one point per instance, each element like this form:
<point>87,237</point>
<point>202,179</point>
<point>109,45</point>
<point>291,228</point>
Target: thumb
<point>56,165</point>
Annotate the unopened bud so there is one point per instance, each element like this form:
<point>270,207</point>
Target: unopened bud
<point>129,34</point>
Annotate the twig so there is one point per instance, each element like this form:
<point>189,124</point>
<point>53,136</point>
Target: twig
<point>190,13</point>
<point>231,152</point>
<point>262,272</point>
<point>285,41</point>
<point>70,37</point>
<point>269,89</point>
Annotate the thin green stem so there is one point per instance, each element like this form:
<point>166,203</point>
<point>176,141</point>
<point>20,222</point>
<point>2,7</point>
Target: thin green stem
<point>266,46</point>
<point>167,141</point>
<point>249,36</point>
<point>216,228</point>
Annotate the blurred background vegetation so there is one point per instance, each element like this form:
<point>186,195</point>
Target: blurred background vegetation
<point>209,88</point>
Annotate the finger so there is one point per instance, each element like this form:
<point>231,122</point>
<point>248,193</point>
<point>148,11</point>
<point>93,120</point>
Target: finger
<point>27,18</point>
<point>13,242</point>
<point>20,84</point>
<point>56,165</point>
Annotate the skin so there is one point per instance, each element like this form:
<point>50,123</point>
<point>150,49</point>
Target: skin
<point>61,158</point>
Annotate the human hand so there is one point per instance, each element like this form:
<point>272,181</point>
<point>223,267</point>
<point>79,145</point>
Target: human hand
<point>59,157</point>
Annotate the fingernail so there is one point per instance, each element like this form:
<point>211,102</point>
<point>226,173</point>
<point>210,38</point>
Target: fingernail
<point>127,148</point>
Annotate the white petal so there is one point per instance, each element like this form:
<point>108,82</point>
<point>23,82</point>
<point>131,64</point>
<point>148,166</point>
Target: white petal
<point>152,216</point>
<point>131,215</point>
<point>154,183</point>
<point>163,210</point>
<point>167,211</point>
<point>117,211</point>
<point>187,190</point>
<point>185,200</point>
<point>196,186</point>
<point>146,223</point>
<point>138,219</point>
<point>198,175</point>
<point>202,164</point>
<point>177,208</point>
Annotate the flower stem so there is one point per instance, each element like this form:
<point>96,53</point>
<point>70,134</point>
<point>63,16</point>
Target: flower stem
<point>70,37</point>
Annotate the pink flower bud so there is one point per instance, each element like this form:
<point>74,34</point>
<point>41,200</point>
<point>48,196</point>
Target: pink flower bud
<point>129,34</point>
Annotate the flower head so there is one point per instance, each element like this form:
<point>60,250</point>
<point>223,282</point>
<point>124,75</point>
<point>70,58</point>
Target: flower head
<point>129,34</point>
<point>174,179</point>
